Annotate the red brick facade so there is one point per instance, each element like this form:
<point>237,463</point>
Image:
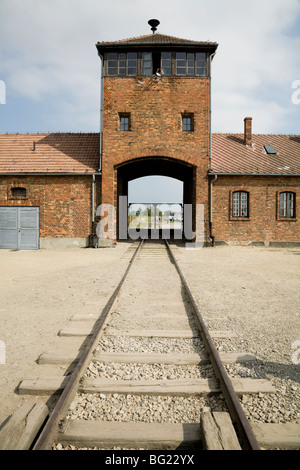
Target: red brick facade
<point>65,203</point>
<point>156,108</point>
<point>263,223</point>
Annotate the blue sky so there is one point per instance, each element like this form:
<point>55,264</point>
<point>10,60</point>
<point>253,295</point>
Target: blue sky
<point>50,67</point>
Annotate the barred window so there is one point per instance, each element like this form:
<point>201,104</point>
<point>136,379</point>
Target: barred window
<point>287,205</point>
<point>240,204</point>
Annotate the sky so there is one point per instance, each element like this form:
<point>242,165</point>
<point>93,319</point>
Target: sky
<point>50,70</point>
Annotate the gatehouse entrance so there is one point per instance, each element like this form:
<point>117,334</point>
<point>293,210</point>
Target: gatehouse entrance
<point>154,218</point>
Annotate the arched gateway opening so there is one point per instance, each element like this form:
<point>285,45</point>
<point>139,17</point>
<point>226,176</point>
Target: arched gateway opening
<point>153,223</point>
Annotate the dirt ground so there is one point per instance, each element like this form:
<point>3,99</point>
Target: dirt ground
<point>255,288</point>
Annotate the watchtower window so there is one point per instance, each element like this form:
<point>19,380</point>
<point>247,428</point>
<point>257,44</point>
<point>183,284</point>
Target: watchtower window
<point>122,63</point>
<point>166,63</point>
<point>147,68</point>
<point>190,63</point>
<point>156,57</point>
<point>156,63</point>
<point>148,63</point>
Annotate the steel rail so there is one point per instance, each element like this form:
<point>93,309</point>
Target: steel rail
<point>244,431</point>
<point>47,434</point>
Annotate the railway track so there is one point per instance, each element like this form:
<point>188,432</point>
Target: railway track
<point>149,375</point>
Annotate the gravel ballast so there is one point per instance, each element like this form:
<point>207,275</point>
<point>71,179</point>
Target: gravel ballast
<point>279,407</point>
<point>252,291</point>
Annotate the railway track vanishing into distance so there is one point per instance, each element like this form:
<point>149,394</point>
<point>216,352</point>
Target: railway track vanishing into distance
<point>114,396</point>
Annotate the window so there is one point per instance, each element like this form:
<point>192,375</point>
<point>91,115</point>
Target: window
<point>122,64</point>
<point>166,63</point>
<point>112,64</point>
<point>200,63</point>
<point>181,63</point>
<point>147,63</point>
<point>156,62</point>
<point>131,63</point>
<point>190,63</point>
<point>18,192</point>
<point>153,62</point>
<point>124,121</point>
<point>240,200</point>
<point>270,149</point>
<point>287,205</point>
<point>188,122</point>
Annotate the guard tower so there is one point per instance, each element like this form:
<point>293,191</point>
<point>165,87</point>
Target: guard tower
<point>155,117</point>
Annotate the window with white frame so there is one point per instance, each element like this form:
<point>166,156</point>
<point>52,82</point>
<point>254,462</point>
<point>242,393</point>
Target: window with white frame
<point>287,205</point>
<point>240,204</point>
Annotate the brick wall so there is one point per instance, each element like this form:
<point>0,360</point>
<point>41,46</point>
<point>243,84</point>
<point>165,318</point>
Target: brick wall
<point>65,202</point>
<point>155,109</point>
<point>263,223</point>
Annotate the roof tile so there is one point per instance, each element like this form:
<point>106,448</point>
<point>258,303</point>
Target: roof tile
<point>156,38</point>
<point>79,153</point>
<point>231,155</point>
<point>54,153</point>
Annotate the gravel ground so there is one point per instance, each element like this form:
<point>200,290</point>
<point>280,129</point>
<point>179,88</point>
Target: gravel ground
<point>147,345</point>
<point>253,291</point>
<point>257,296</point>
<point>144,408</point>
<point>268,332</point>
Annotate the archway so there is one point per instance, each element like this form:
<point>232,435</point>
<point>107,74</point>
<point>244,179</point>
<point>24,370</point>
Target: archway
<point>150,166</point>
<point>155,204</point>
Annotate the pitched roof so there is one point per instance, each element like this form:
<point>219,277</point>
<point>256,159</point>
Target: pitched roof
<point>231,155</point>
<point>157,40</point>
<point>54,153</point>
<point>75,153</point>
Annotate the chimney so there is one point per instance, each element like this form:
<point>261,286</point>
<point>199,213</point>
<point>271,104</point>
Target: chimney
<point>248,131</point>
